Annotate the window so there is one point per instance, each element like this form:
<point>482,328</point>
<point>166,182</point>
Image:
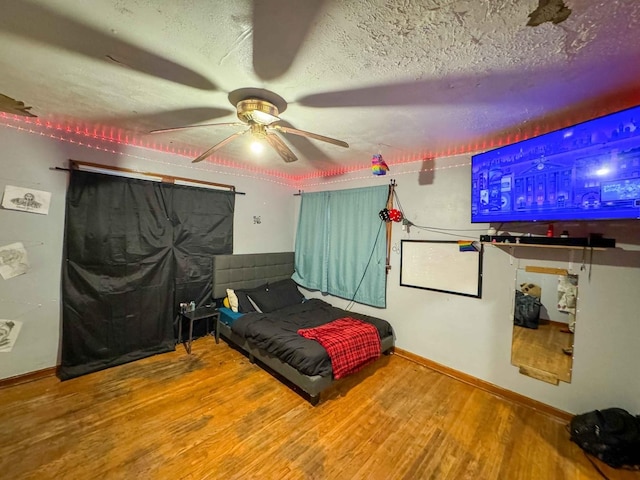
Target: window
<point>341,244</point>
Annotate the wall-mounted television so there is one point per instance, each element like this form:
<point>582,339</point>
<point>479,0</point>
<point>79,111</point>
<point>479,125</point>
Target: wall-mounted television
<point>590,171</point>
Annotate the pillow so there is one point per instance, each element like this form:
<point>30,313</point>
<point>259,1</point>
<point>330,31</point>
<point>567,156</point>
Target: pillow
<point>244,303</point>
<point>277,295</point>
<point>288,289</point>
<point>233,299</point>
<point>256,308</point>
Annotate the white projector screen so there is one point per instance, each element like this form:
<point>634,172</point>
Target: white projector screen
<point>441,266</point>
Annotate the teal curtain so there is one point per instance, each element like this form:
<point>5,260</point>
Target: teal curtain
<point>341,244</point>
<point>312,242</point>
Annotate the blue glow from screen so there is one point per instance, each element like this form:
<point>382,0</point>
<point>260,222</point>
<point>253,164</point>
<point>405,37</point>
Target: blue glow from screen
<point>590,171</point>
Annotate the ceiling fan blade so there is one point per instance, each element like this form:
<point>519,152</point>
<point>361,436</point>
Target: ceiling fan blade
<point>44,25</point>
<point>279,30</point>
<point>308,148</point>
<point>218,145</point>
<point>279,146</point>
<point>15,107</point>
<point>184,127</point>
<point>302,133</point>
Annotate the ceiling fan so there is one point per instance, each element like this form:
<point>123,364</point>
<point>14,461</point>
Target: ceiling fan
<point>262,118</point>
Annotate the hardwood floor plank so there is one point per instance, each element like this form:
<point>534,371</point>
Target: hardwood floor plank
<point>214,415</point>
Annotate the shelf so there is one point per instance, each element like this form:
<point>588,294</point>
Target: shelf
<point>533,245</point>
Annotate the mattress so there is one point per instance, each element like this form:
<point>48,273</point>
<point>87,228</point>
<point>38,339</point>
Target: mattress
<point>277,333</point>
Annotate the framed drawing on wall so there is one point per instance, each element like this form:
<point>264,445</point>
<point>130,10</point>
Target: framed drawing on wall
<point>442,266</point>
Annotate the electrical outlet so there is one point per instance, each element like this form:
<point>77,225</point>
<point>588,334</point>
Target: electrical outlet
<point>257,219</point>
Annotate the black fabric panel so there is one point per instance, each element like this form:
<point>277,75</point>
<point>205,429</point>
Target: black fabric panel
<point>127,253</point>
<point>107,315</point>
<point>203,227</point>
<point>115,220</point>
<point>118,242</point>
<point>203,219</point>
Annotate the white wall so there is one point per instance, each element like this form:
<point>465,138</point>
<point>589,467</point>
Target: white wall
<point>34,298</point>
<point>467,334</point>
<point>474,335</point>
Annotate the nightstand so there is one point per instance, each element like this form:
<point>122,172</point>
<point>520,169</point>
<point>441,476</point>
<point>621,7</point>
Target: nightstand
<point>201,313</point>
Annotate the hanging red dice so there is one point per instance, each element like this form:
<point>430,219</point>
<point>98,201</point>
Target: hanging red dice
<point>395,215</point>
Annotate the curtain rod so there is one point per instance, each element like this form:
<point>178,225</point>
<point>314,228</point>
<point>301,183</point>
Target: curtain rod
<point>392,183</point>
<point>76,165</point>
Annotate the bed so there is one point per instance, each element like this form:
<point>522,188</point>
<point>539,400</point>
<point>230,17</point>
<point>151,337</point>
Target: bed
<point>271,337</point>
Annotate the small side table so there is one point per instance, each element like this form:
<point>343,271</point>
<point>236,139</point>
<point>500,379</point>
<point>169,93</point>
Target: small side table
<point>201,313</point>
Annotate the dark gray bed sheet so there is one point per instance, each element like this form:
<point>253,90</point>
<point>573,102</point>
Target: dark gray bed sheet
<point>277,333</point>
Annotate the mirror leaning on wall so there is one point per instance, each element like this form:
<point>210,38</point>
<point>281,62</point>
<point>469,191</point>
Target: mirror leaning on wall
<point>544,322</point>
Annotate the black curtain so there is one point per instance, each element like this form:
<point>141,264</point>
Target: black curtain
<point>134,249</point>
<point>203,226</point>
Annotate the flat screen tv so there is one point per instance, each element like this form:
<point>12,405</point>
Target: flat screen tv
<point>590,171</point>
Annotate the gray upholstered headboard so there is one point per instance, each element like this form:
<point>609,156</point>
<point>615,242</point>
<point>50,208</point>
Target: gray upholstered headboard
<point>249,270</point>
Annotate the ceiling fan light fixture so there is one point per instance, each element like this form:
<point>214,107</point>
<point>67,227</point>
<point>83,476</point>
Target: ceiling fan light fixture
<point>257,146</point>
<point>257,111</point>
<point>258,131</point>
<point>264,118</point>
<point>261,116</point>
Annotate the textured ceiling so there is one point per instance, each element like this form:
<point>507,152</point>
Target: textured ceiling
<point>408,79</point>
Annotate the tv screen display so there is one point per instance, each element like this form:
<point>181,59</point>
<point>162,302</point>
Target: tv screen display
<point>590,171</point>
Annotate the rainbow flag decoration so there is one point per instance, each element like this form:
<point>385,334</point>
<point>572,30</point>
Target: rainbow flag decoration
<point>467,246</point>
<point>378,165</point>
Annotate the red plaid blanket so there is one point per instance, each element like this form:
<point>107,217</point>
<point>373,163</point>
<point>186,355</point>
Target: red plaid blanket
<point>350,343</point>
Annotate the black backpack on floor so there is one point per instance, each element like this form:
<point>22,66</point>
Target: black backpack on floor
<point>612,435</point>
<point>527,310</point>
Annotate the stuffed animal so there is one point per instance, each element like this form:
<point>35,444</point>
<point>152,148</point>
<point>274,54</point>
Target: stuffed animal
<point>531,289</point>
<point>233,299</point>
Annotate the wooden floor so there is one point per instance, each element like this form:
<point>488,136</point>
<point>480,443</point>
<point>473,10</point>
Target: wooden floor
<point>541,348</point>
<point>214,415</point>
